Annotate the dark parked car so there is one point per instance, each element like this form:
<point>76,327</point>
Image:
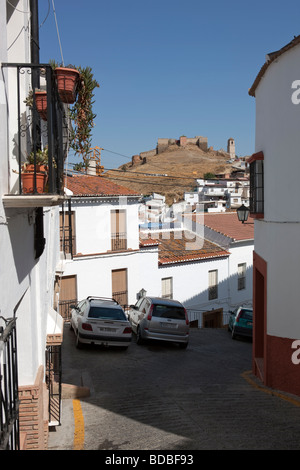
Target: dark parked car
<point>159,319</point>
<point>240,322</point>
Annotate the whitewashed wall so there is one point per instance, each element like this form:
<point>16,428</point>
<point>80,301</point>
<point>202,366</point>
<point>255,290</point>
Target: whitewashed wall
<point>277,236</point>
<point>26,284</point>
<point>93,224</point>
<point>94,273</point>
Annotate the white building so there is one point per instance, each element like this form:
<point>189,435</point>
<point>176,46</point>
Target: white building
<point>277,220</point>
<point>106,258</point>
<point>220,194</point>
<point>29,237</point>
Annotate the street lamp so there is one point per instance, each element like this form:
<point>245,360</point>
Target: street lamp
<point>242,213</point>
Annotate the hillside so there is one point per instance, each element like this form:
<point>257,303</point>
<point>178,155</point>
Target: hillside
<point>181,165</point>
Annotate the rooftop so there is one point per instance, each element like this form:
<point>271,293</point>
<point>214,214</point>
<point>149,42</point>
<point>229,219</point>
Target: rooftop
<point>183,246</point>
<point>227,224</point>
<point>85,185</point>
<point>271,57</point>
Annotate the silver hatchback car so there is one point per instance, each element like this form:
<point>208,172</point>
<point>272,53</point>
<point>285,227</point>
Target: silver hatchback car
<point>159,319</point>
<point>102,321</point>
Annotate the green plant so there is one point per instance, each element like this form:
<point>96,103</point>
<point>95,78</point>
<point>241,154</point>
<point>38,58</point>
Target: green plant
<point>209,176</point>
<point>82,165</point>
<point>41,157</point>
<point>82,114</point>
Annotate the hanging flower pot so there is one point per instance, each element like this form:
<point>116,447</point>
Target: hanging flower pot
<point>41,103</point>
<point>67,81</point>
<point>28,185</point>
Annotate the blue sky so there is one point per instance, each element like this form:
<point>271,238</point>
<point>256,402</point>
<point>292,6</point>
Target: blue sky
<point>168,68</point>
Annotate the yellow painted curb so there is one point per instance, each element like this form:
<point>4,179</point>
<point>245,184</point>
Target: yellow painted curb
<point>78,443</point>
<point>246,376</point>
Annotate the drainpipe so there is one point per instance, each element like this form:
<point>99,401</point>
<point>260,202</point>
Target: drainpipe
<point>35,72</point>
<point>34,44</point>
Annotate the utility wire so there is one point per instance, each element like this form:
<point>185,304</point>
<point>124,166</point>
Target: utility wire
<point>62,58</point>
<point>44,21</point>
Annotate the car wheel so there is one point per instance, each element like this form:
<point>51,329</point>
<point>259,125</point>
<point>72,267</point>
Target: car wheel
<point>139,339</point>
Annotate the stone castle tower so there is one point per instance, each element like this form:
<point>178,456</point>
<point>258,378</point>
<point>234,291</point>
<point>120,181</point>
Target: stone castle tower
<point>231,148</point>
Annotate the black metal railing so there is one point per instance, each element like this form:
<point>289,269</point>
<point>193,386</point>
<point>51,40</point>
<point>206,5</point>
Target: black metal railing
<point>37,132</point>
<point>53,381</point>
<point>121,298</point>
<point>9,396</point>
<point>118,241</point>
<point>65,308</point>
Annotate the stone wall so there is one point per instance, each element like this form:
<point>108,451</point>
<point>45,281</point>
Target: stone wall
<point>163,144</point>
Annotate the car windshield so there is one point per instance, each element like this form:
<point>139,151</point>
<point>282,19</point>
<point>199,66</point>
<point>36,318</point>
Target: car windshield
<point>106,313</point>
<point>246,314</point>
<point>168,311</point>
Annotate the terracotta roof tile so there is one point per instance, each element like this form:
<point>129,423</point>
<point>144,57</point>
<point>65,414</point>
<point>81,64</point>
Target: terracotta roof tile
<point>85,185</point>
<point>227,223</point>
<point>183,246</point>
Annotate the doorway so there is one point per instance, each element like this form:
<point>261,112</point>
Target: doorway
<point>259,315</point>
<point>68,295</point>
<point>212,318</point>
<point>119,286</point>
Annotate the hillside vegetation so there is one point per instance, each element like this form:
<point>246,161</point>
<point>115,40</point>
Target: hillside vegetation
<point>182,165</point>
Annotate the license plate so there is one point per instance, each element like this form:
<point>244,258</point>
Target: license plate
<point>107,329</point>
<point>169,325</point>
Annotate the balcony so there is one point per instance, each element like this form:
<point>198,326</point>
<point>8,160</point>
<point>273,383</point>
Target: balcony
<point>118,241</point>
<point>34,134</point>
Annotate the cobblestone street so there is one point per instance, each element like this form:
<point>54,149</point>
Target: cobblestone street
<point>157,396</point>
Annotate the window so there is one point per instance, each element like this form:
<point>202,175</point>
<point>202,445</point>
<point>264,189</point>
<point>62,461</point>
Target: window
<point>213,284</point>
<point>167,288</point>
<point>118,230</point>
<point>241,276</point>
<point>67,232</point>
<point>256,162</point>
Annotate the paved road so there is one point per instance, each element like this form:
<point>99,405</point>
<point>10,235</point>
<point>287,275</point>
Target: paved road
<point>157,396</point>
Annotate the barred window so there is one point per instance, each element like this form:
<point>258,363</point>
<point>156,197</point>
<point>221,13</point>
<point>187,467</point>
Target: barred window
<point>257,184</point>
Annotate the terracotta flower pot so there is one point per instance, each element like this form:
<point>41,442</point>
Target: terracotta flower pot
<point>41,103</point>
<point>67,80</point>
<point>28,182</point>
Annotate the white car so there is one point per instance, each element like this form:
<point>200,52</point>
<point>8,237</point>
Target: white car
<point>101,321</point>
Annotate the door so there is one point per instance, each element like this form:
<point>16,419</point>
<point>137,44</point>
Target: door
<point>119,286</point>
<point>212,319</point>
<point>118,230</point>
<point>68,295</point>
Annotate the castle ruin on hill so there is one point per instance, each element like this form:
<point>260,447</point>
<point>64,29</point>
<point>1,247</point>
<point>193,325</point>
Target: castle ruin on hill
<point>199,141</point>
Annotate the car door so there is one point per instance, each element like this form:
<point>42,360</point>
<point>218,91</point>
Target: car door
<point>136,313</point>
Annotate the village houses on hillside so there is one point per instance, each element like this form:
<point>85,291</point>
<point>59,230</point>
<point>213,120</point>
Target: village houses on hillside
<point>110,256</point>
